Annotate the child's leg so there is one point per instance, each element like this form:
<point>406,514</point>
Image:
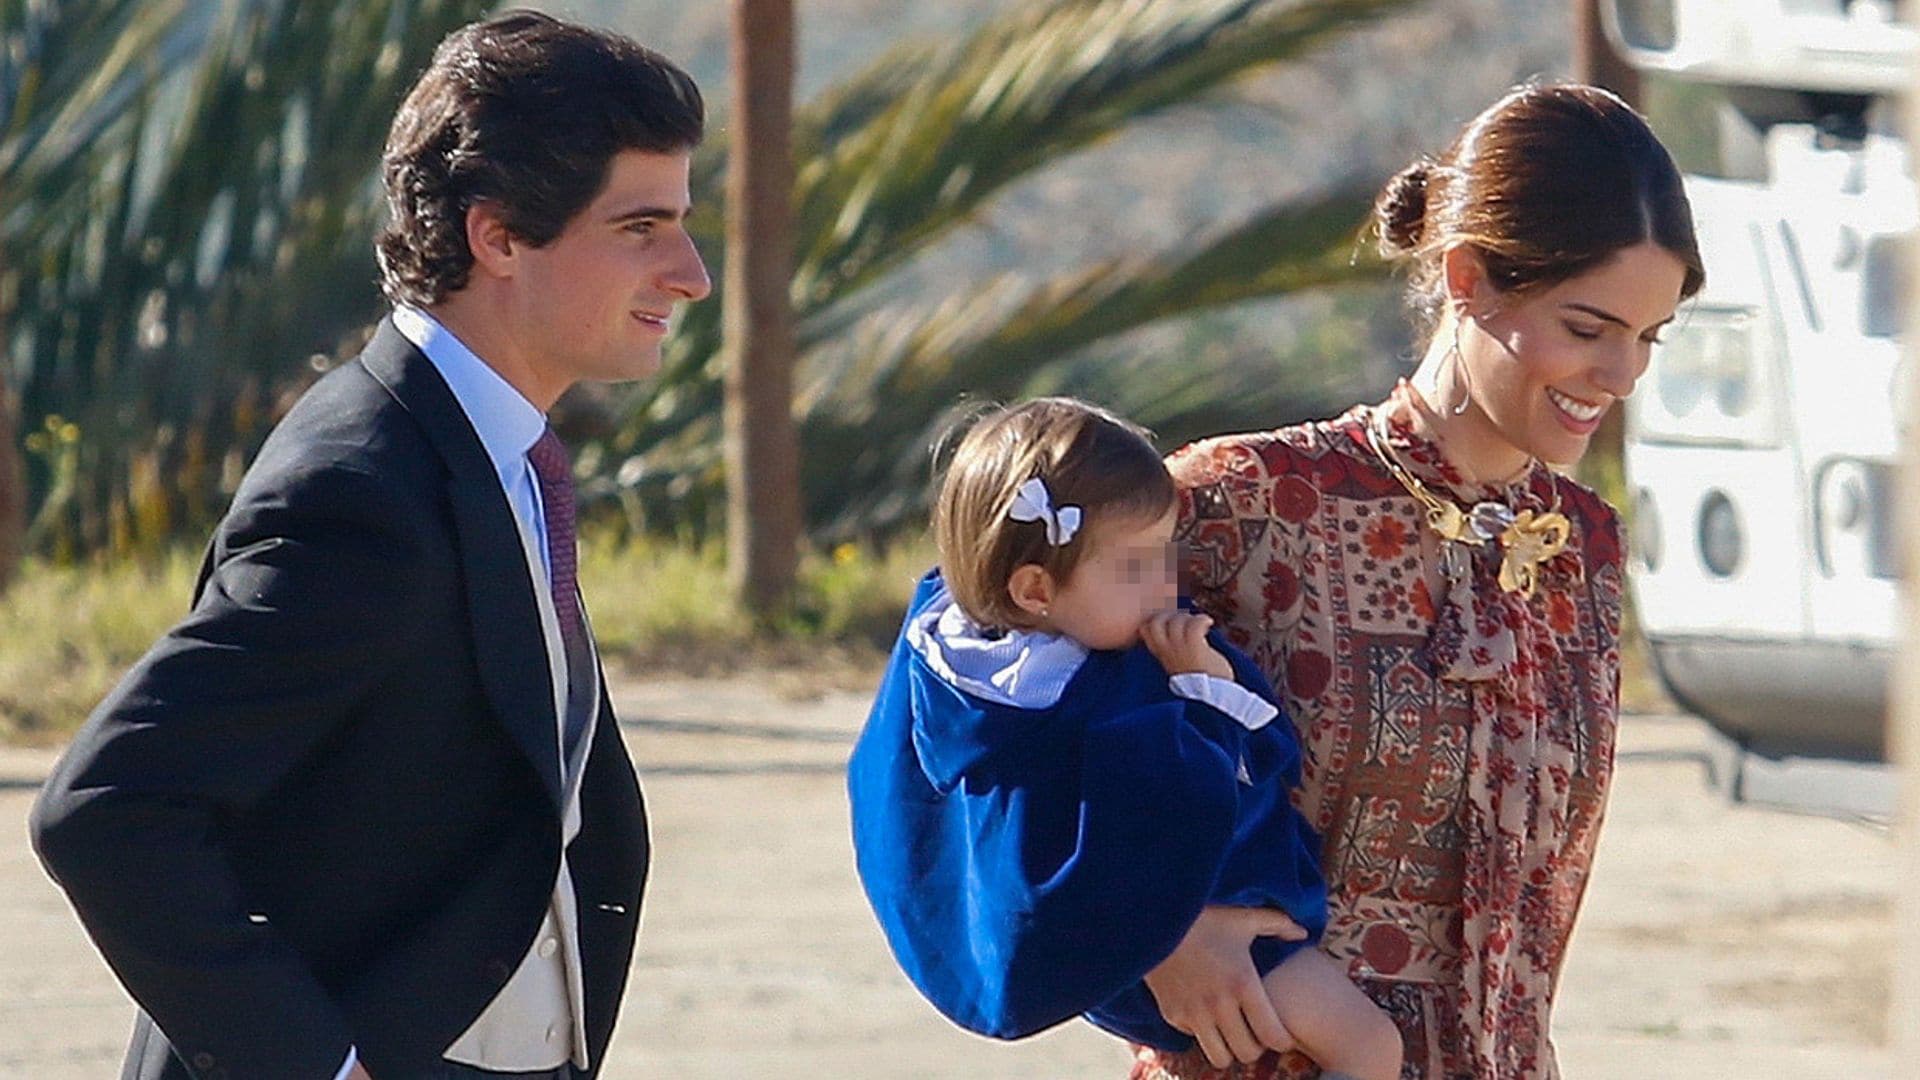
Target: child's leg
<point>1336,1024</point>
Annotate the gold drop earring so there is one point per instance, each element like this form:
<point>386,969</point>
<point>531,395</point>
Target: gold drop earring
<point>1460,365</point>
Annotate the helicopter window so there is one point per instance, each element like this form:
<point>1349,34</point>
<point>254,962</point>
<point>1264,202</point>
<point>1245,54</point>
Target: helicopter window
<point>1706,383</point>
<point>1646,24</point>
<point>1884,286</point>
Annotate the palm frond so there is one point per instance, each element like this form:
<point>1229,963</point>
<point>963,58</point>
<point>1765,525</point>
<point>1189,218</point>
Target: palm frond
<point>1027,91</point>
<point>167,272</point>
<point>916,145</point>
<point>872,434</point>
<point>867,422</point>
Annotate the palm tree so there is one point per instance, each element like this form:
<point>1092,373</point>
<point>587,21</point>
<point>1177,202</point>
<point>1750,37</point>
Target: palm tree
<point>902,155</point>
<point>187,201</point>
<point>58,83</point>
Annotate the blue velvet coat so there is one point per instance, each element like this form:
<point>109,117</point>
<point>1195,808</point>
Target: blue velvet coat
<point>1030,865</point>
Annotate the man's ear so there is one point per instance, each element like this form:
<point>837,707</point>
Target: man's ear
<point>495,248</point>
<point>1032,589</point>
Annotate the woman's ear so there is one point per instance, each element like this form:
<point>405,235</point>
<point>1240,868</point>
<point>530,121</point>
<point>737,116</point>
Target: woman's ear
<point>1469,292</point>
<point>1032,589</point>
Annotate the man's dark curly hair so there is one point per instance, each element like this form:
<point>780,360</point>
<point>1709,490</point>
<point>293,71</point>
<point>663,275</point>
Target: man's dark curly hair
<point>526,112</point>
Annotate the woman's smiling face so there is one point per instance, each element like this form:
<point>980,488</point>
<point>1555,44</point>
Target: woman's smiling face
<point>1544,367</point>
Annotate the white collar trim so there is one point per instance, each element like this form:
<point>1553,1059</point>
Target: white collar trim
<point>1026,669</point>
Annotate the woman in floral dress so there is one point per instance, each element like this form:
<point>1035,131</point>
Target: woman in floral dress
<point>1440,608</point>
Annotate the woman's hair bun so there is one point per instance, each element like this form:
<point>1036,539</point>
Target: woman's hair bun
<point>1401,211</point>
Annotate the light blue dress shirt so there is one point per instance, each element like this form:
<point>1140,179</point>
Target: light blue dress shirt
<point>507,423</point>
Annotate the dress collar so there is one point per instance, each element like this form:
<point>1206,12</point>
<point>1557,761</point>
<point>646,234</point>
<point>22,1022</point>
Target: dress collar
<point>1426,457</point>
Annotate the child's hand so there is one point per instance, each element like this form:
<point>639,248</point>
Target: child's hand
<point>1178,639</point>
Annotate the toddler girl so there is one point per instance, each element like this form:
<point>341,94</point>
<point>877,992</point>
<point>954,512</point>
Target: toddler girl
<point>1046,705</point>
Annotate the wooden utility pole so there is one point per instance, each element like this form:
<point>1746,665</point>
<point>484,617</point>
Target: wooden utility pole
<point>762,449</point>
<point>1595,61</point>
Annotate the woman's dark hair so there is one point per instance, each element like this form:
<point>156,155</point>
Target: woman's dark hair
<point>526,112</point>
<point>1548,183</point>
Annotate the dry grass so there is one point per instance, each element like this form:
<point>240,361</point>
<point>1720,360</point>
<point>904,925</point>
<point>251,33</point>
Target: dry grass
<point>664,608</point>
<point>657,608</point>
<point>70,632</point>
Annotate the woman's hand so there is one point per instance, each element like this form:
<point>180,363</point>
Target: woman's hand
<point>1209,989</point>
<point>1178,639</point>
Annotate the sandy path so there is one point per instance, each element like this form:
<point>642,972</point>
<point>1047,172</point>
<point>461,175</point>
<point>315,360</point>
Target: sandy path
<point>1718,940</point>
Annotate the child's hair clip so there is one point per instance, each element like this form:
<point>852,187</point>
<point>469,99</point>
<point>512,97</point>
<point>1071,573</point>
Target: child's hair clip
<point>1033,502</point>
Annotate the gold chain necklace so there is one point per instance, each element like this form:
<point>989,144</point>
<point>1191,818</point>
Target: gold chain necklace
<point>1526,538</point>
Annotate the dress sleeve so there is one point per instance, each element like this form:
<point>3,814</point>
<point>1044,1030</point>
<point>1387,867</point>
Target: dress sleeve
<point>1250,709</point>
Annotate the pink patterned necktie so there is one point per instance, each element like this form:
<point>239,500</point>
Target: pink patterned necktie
<point>554,471</point>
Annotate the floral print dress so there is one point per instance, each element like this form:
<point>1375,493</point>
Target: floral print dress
<point>1458,738</point>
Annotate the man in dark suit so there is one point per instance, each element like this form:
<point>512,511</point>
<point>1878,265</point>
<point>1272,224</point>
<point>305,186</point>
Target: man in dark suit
<point>365,811</point>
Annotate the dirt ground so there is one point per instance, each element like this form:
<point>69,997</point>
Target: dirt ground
<point>1718,940</point>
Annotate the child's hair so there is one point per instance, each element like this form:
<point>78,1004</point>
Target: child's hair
<point>1087,457</point>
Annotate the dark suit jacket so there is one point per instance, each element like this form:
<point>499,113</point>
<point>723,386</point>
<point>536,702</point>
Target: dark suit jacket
<point>324,810</point>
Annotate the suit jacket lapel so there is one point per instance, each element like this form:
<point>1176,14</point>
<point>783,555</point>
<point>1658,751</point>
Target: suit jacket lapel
<point>507,636</point>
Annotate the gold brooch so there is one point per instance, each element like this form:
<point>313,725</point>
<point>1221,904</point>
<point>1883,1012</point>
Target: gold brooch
<point>1531,540</point>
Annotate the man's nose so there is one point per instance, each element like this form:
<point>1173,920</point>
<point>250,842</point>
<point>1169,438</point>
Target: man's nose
<point>686,276</point>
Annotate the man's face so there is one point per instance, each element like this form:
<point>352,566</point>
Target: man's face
<point>594,303</point>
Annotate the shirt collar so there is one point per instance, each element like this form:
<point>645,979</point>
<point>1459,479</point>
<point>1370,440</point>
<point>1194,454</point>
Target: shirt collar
<point>1026,669</point>
<point>507,423</point>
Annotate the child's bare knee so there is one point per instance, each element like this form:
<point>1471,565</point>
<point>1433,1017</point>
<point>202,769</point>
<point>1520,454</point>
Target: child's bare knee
<point>1382,1031</point>
<point>1385,1046</point>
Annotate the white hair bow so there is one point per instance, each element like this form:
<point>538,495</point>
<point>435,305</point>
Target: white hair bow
<point>1034,503</point>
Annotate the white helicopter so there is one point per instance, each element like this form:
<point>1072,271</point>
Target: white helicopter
<point>1761,446</point>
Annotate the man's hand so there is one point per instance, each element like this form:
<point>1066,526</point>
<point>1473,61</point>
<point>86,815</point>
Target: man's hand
<point>1209,989</point>
<point>1178,639</point>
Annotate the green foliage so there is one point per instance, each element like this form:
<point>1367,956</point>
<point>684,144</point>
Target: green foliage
<point>187,199</point>
<point>186,214</point>
<point>906,153</point>
<point>657,602</point>
<point>70,631</point>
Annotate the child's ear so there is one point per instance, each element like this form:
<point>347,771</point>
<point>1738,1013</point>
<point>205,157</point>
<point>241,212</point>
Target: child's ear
<point>1031,589</point>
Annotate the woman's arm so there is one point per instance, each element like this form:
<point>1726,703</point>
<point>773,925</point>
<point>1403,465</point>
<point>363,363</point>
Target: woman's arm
<point>1209,986</point>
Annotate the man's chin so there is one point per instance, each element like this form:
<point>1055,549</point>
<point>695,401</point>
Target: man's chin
<point>629,369</point>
